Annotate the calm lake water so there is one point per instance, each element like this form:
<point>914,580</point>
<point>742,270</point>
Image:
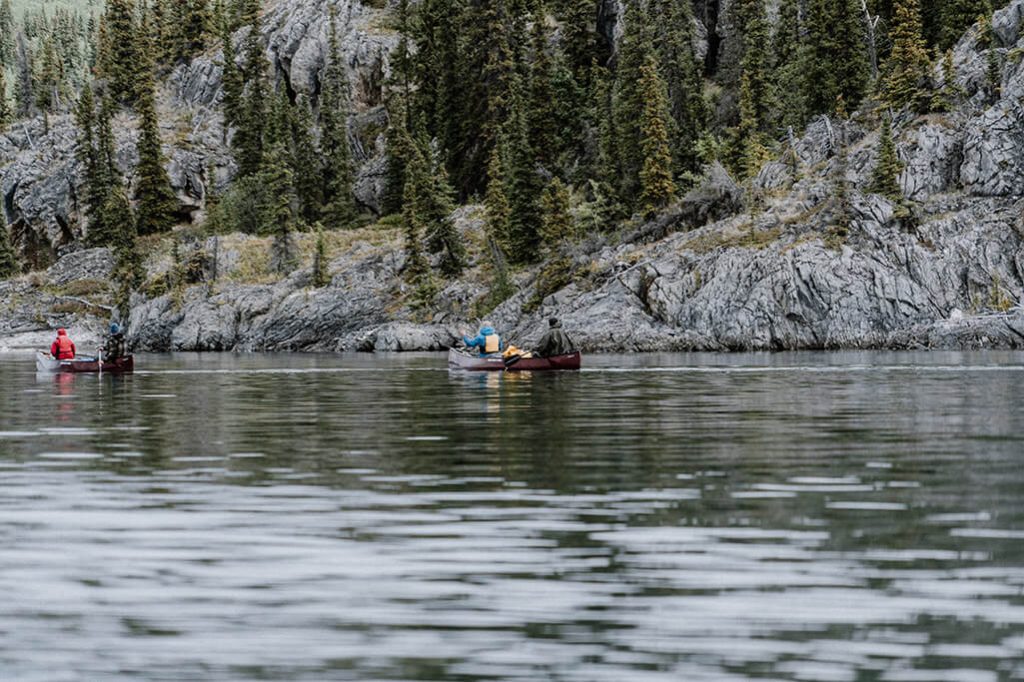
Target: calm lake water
<point>664,517</point>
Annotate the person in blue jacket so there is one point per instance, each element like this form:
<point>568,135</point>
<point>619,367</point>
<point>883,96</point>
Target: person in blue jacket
<point>487,340</point>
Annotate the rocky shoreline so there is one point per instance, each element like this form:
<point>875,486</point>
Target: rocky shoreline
<point>729,268</point>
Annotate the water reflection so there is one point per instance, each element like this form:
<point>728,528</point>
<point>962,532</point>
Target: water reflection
<point>797,517</point>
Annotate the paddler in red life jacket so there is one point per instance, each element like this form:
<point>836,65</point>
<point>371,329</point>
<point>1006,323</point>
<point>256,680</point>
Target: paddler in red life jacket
<point>487,340</point>
<point>63,348</point>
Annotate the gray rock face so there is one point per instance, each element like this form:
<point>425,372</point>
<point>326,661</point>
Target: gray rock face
<point>932,163</point>
<point>993,155</point>
<point>89,264</point>
<point>40,181</point>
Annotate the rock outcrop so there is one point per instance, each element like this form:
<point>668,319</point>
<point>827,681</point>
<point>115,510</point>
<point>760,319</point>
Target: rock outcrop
<point>777,264</point>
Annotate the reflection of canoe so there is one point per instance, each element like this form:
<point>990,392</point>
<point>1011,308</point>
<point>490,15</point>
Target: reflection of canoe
<point>495,363</point>
<point>45,363</point>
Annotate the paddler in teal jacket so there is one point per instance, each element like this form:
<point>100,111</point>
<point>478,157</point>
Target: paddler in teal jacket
<point>487,340</point>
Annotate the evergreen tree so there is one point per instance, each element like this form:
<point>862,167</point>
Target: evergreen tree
<point>994,70</point>
<point>231,78</point>
<point>252,113</point>
<point>156,201</point>
<point>337,173</point>
<point>437,70</point>
<point>835,63</point>
<point>192,20</point>
<point>6,34</point>
<point>956,16</point>
<point>6,114</point>
<point>439,204</point>
<point>25,85</point>
<point>125,64</point>
<point>754,91</point>
<point>500,73</point>
<point>524,185</point>
<point>278,214</point>
<point>679,68</point>
<point>579,31</point>
<point>557,223</point>
<point>885,179</point>
<point>417,184</point>
<point>321,278</point>
<point>787,90</point>
<point>116,213</point>
<point>907,69</point>
<point>8,258</point>
<point>304,156</point>
<point>49,82</point>
<point>541,114</point>
<point>947,97</point>
<point>628,103</point>
<point>496,199</point>
<point>657,187</point>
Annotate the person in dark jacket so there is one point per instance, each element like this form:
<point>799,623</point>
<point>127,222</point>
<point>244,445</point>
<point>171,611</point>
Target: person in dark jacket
<point>555,341</point>
<point>115,347</point>
<point>63,348</point>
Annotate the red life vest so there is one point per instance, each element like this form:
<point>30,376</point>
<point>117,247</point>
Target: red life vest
<point>65,348</point>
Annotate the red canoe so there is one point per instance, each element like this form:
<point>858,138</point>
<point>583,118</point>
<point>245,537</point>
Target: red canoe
<point>124,365</point>
<point>460,360</point>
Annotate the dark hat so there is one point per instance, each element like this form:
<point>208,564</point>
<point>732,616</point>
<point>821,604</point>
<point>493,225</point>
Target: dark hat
<point>552,321</point>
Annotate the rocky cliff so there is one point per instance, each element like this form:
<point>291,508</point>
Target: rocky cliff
<point>759,267</point>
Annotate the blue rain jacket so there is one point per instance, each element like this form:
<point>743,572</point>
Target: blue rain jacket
<point>480,340</point>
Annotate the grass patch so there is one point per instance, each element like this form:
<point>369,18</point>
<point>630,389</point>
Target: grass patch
<point>746,239</point>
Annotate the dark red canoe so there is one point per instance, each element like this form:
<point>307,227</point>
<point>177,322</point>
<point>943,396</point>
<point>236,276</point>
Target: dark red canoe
<point>460,360</point>
<point>125,365</point>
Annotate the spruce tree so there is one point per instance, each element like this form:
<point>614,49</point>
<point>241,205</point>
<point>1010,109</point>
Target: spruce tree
<point>885,179</point>
<point>252,114</point>
<point>754,91</point>
<point>49,82</point>
<point>541,113</point>
<point>339,209</point>
<point>125,64</point>
<point>947,97</point>
<point>557,223</point>
<point>304,156</point>
<point>835,63</point>
<point>787,88</point>
<point>231,79</point>
<point>156,201</point>
<point>496,199</point>
<point>6,113</point>
<point>524,184</point>
<point>436,69</point>
<point>6,34</point>
<point>994,70</point>
<point>673,21</point>
<point>8,258</point>
<point>439,204</point>
<point>956,16</point>
<point>656,185</point>
<point>628,102</point>
<point>277,183</point>
<point>117,215</point>
<point>321,278</point>
<point>417,185</point>
<point>24,87</point>
<point>579,30</point>
<point>907,69</point>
